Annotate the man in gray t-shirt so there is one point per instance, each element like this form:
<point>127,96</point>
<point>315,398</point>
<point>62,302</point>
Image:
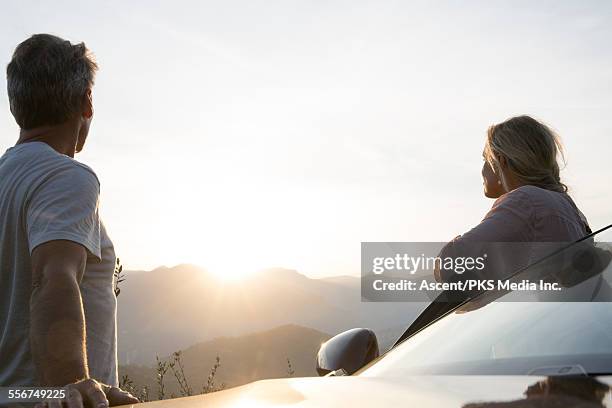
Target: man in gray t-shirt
<point>57,263</point>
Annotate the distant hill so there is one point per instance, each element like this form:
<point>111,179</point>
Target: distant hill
<point>243,359</point>
<point>167,309</point>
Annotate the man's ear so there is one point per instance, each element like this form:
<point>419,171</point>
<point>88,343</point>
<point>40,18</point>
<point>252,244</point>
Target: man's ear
<point>88,105</point>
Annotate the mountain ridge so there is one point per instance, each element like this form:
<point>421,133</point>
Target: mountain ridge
<point>284,351</point>
<point>171,308</point>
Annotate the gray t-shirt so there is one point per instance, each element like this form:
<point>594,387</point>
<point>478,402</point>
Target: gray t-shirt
<point>46,196</point>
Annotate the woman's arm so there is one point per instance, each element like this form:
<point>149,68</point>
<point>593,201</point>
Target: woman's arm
<point>509,221</point>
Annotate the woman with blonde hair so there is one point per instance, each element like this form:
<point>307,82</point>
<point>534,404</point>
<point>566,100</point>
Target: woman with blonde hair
<point>521,171</point>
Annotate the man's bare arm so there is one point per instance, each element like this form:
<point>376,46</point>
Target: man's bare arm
<point>57,327</point>
<point>57,321</point>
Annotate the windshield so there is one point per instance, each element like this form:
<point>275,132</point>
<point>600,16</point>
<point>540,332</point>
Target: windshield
<point>512,337</point>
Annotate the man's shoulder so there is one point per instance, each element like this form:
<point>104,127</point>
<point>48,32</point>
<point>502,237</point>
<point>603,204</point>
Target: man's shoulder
<point>72,176</point>
<point>62,166</point>
<point>84,171</point>
<point>44,167</point>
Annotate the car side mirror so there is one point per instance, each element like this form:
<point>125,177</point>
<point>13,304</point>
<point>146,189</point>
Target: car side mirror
<point>348,351</point>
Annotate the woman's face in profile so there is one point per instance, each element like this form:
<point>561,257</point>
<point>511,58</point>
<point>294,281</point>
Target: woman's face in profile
<point>491,183</point>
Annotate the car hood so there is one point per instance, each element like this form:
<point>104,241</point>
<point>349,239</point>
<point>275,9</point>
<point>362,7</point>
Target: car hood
<point>421,391</point>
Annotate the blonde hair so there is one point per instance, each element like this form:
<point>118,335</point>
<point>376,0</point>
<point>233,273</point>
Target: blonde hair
<point>530,149</point>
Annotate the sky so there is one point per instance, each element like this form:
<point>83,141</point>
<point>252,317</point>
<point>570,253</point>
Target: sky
<point>241,135</point>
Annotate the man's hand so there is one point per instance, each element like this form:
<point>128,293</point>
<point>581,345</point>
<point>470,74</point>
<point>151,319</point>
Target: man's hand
<point>91,394</point>
<point>117,396</point>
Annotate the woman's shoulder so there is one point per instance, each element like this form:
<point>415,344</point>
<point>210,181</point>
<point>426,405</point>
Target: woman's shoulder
<point>548,209</point>
<point>531,196</point>
<point>527,202</point>
<point>522,197</point>
<point>529,190</point>
<point>541,197</point>
<point>534,190</point>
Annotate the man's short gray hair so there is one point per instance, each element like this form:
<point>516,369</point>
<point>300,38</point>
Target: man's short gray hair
<point>47,80</point>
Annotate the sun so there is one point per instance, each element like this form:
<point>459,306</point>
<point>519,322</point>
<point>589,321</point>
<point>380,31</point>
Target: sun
<point>229,271</point>
<point>232,263</point>
<point>231,237</point>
